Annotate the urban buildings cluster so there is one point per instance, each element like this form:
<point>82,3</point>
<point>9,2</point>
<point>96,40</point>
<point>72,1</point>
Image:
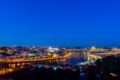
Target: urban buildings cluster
<point>47,51</point>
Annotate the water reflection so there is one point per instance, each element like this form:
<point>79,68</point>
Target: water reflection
<point>73,60</point>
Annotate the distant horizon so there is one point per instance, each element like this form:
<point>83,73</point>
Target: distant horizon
<point>61,46</point>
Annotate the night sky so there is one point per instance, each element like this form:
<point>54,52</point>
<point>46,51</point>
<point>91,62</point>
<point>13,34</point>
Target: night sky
<point>60,22</point>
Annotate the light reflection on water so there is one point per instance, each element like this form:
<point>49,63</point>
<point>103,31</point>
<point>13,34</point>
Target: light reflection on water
<point>74,60</point>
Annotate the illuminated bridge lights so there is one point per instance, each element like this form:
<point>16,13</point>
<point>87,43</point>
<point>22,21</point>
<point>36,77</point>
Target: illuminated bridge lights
<point>14,63</point>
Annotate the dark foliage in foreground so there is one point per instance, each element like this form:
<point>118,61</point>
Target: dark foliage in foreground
<point>43,74</point>
<point>110,64</point>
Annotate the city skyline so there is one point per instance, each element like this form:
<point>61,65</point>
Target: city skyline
<point>60,23</point>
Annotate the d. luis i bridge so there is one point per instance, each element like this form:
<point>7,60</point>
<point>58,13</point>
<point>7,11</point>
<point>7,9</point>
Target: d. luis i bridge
<point>18,63</point>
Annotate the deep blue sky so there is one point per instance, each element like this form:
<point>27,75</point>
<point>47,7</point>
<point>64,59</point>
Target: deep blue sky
<point>60,22</point>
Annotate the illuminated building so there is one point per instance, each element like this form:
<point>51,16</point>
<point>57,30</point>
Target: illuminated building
<point>50,49</point>
<point>93,49</point>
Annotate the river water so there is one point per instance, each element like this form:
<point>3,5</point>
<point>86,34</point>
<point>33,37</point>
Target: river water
<point>74,60</point>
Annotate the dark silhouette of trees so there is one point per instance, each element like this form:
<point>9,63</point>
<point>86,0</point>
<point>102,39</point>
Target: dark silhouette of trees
<point>110,64</point>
